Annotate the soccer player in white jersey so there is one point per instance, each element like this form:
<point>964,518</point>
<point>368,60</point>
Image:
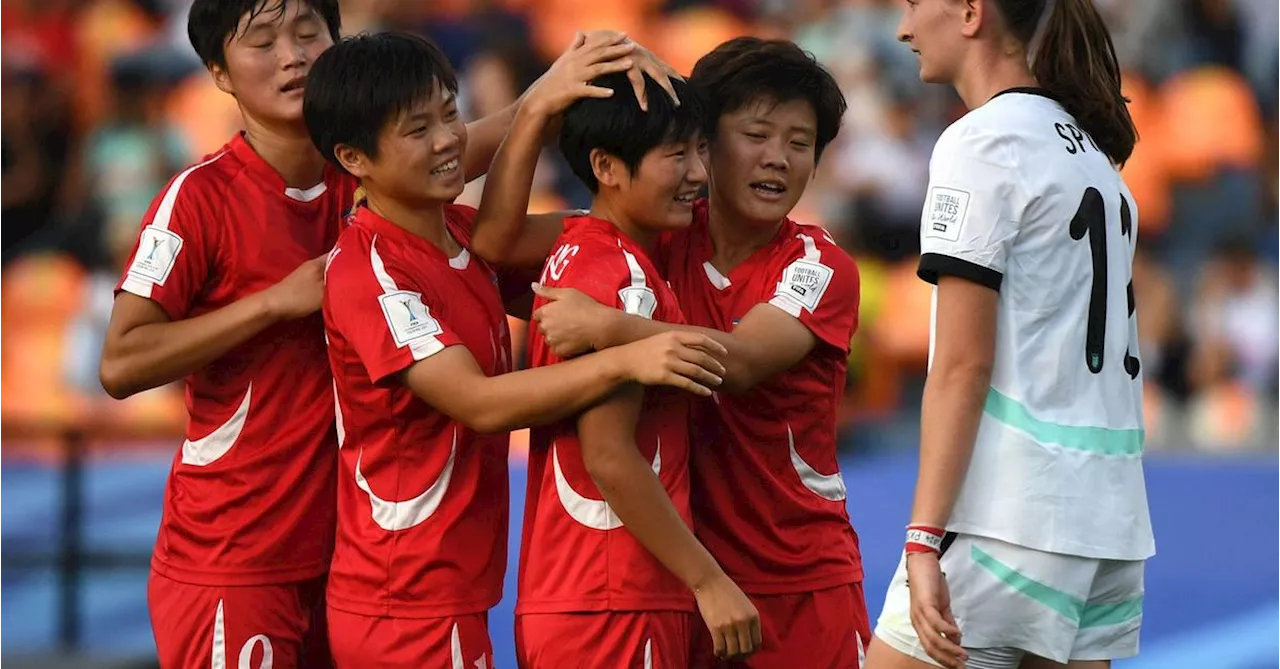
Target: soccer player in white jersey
<point>1030,525</point>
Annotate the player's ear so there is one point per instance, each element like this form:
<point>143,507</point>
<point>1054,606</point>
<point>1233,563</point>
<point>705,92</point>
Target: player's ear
<point>605,168</point>
<point>352,160</point>
<point>221,78</point>
<point>973,15</point>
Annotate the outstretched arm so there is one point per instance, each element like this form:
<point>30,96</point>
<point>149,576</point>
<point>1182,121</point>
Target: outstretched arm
<point>766,342</point>
<point>547,394</point>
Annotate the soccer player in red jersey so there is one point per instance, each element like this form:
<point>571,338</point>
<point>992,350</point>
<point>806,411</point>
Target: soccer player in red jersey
<point>222,291</point>
<point>421,356</point>
<point>768,498</point>
<point>608,560</point>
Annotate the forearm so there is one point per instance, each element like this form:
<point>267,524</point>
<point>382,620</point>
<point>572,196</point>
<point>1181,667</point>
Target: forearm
<point>504,204</point>
<point>634,492</point>
<point>542,395</point>
<point>483,138</point>
<point>151,355</point>
<point>740,375</point>
<point>952,407</point>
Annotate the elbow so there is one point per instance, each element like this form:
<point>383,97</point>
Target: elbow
<point>115,380</point>
<point>493,243</point>
<point>489,420</point>
<point>737,382</point>
<point>494,254</point>
<point>602,467</point>
<point>465,404</point>
<point>740,378</point>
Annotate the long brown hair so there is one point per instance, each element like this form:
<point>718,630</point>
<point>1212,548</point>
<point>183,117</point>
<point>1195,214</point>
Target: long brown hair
<point>1075,60</point>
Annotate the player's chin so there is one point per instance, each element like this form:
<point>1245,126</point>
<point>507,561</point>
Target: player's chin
<point>289,110</point>
<point>930,76</point>
<point>679,214</point>
<point>448,192</point>
<point>759,210</point>
<point>446,187</point>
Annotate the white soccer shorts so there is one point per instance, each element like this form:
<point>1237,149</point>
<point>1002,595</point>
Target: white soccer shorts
<point>1009,597</point>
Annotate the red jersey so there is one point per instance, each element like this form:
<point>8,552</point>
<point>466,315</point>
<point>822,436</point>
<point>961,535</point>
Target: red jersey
<point>422,499</point>
<point>575,554</point>
<point>250,497</point>
<point>774,445</point>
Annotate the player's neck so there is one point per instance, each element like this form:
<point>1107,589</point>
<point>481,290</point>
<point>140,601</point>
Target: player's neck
<point>733,243</point>
<point>290,153</point>
<point>989,75</point>
<point>648,239</point>
<point>426,222</point>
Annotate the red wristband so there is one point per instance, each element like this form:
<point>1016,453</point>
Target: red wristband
<point>924,539</point>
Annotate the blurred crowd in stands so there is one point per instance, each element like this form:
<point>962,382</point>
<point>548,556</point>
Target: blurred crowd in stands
<point>104,100</point>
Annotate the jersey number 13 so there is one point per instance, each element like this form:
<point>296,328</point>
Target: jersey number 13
<point>1090,222</point>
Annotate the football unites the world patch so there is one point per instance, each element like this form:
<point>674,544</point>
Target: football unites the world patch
<point>946,210</point>
<point>407,317</point>
<point>805,281</point>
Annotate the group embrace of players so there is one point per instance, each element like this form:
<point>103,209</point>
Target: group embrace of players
<point>341,498</point>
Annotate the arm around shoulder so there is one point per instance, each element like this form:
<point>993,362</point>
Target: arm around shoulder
<point>150,341</point>
<point>815,303</point>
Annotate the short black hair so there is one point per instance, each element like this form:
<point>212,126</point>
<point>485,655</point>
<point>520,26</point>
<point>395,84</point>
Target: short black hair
<point>617,125</point>
<point>211,23</point>
<point>363,82</point>
<point>745,70</point>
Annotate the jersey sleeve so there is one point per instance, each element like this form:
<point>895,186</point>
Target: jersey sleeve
<point>383,312</point>
<point>820,287</point>
<point>177,246</point>
<point>969,221</point>
<point>606,272</point>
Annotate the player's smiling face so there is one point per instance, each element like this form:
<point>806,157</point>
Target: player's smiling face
<point>667,182</point>
<point>762,159</point>
<point>420,152</point>
<point>932,29</point>
<point>268,59</point>
<point>660,194</point>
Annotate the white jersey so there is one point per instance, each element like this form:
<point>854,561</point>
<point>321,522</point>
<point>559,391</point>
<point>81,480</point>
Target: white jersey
<point>1021,200</point>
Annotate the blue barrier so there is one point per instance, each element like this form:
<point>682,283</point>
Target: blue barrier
<point>1209,604</point>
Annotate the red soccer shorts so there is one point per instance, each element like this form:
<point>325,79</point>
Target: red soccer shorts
<point>451,642</point>
<point>254,626</point>
<point>826,629</point>
<point>604,640</point>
